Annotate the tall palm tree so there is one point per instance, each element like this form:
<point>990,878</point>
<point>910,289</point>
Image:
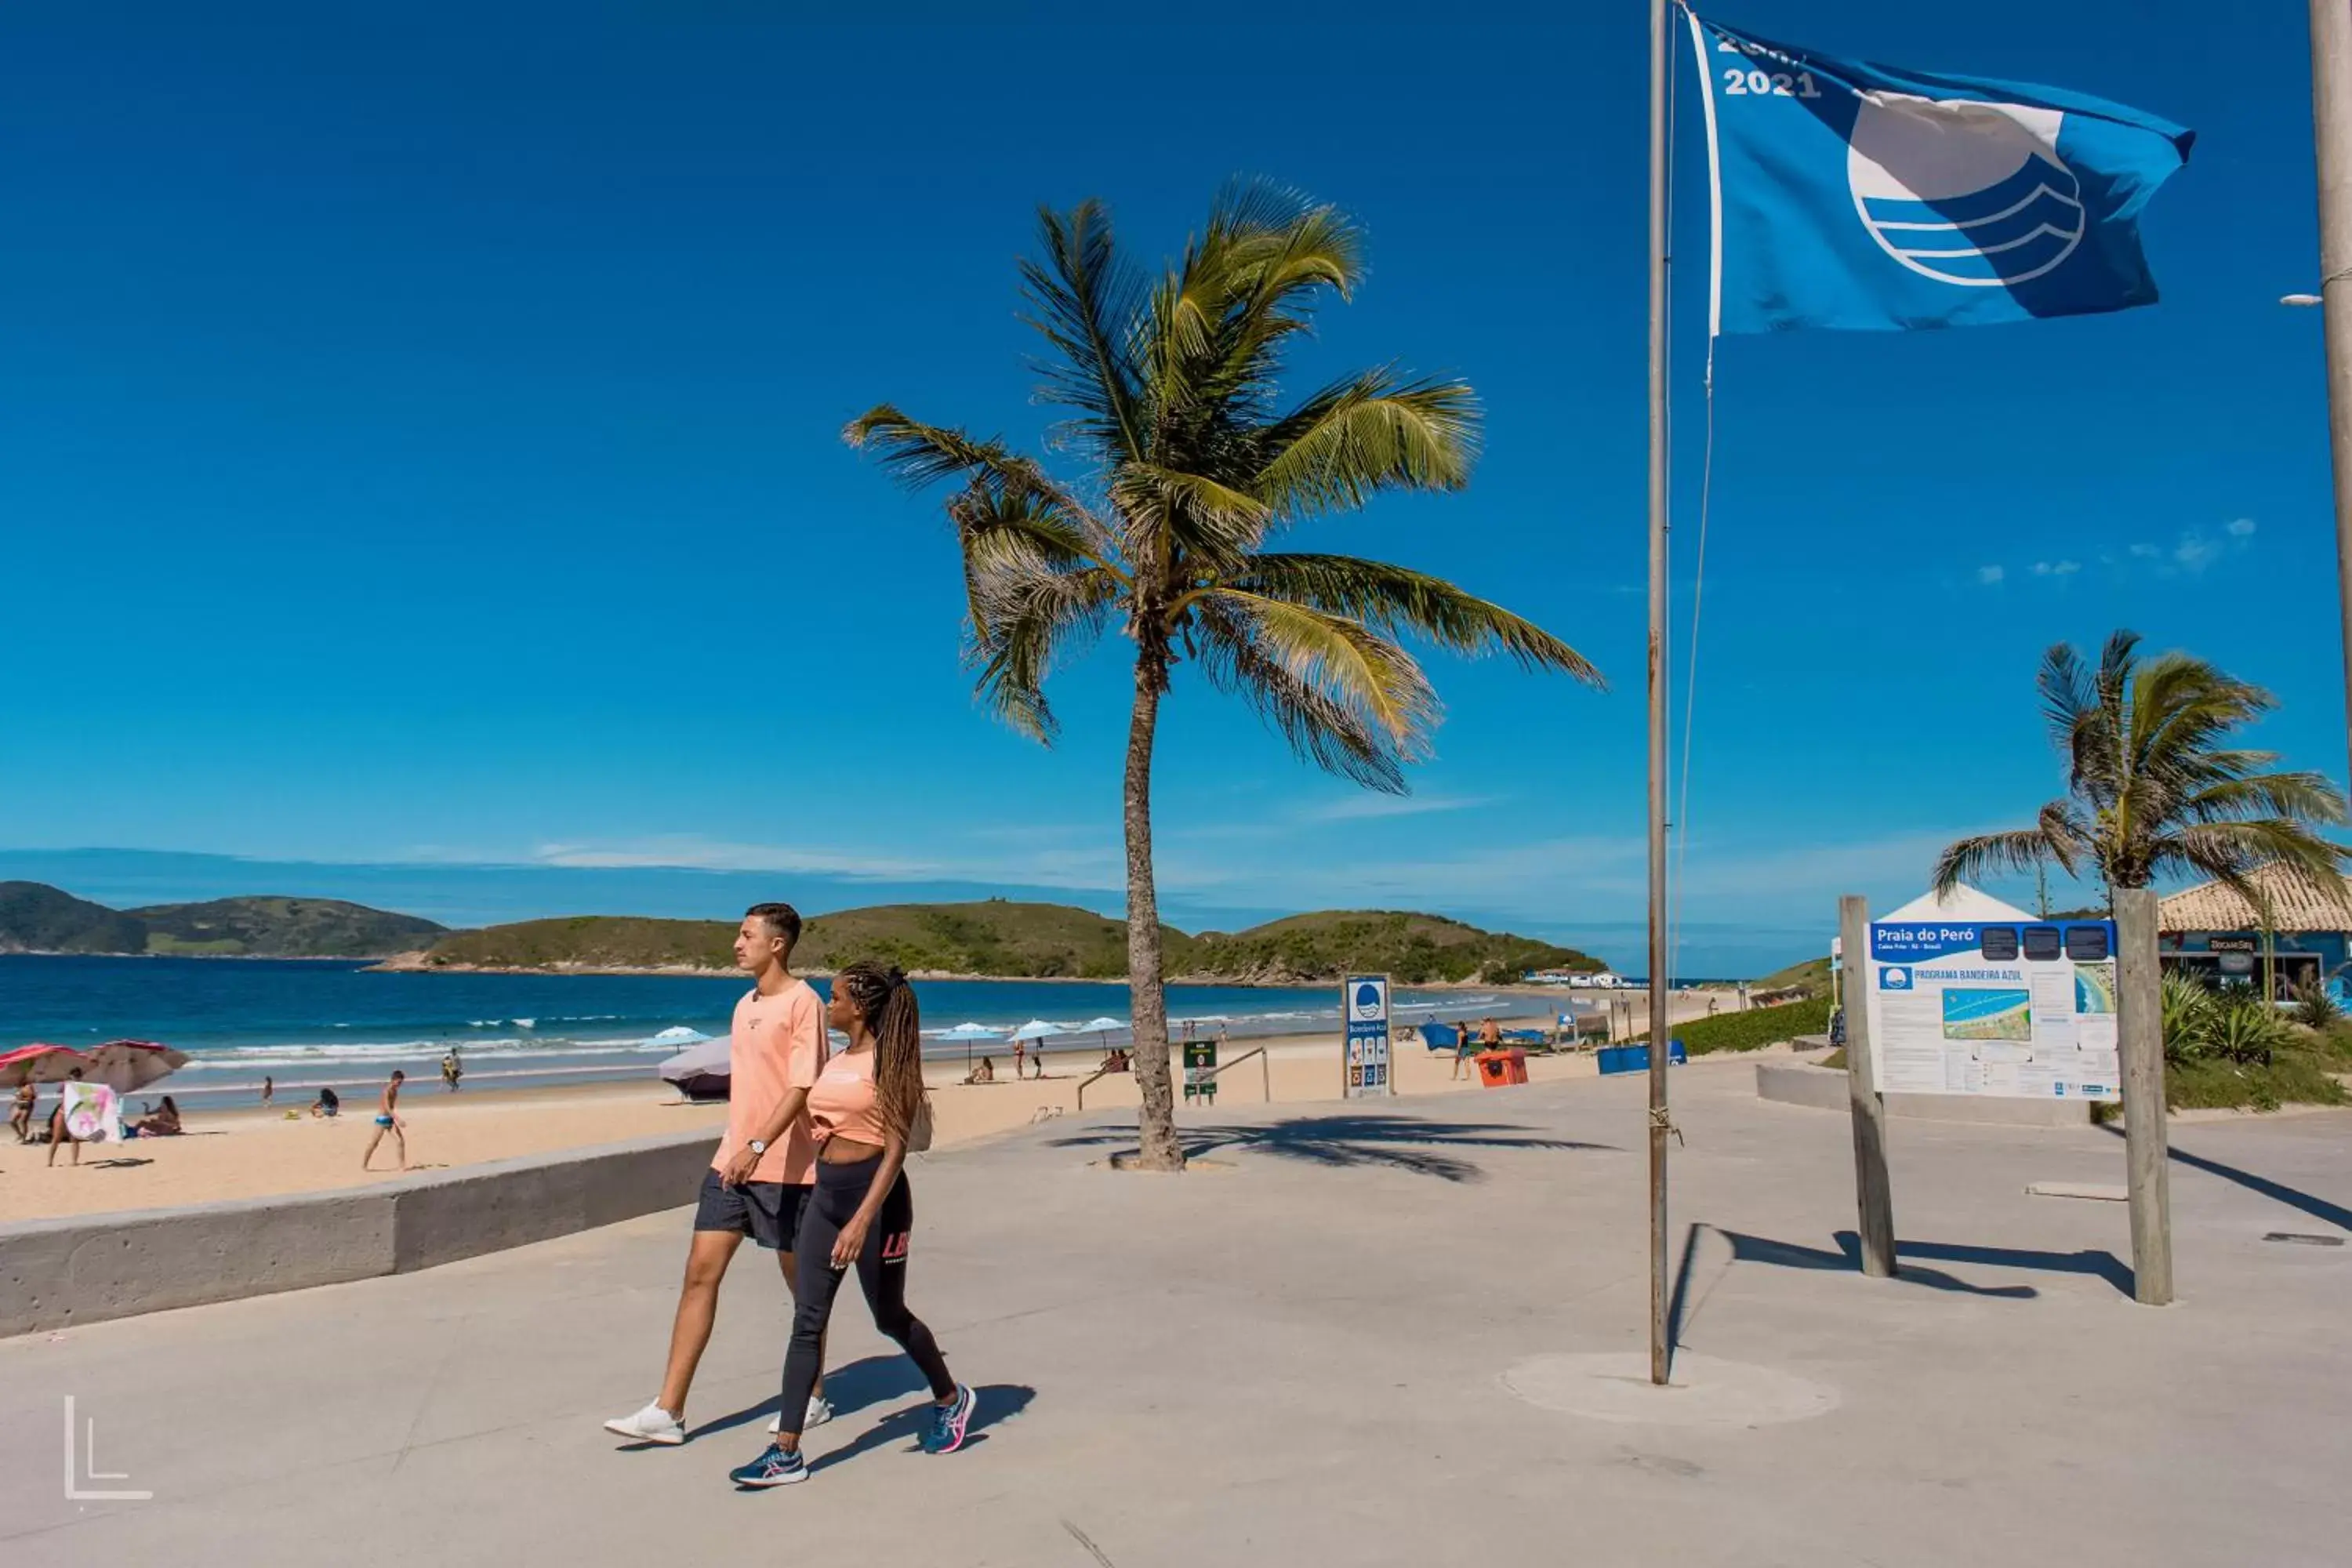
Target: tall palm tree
<point>2154,783</point>
<point>1188,464</point>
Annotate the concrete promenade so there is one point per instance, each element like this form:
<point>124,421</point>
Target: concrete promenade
<point>1313,1352</point>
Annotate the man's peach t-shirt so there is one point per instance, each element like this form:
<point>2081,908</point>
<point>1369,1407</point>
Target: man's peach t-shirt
<point>778,1044</point>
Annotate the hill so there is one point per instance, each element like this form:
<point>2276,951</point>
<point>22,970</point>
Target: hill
<point>587,941</point>
<point>1015,941</point>
<point>1415,949</point>
<point>38,918</point>
<point>1811,977</point>
<point>284,927</point>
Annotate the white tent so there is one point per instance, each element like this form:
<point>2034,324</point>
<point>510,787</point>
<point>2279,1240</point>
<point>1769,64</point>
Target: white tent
<point>1962,903</point>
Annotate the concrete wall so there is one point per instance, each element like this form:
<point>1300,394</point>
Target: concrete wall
<point>92,1268</point>
<point>1824,1089</point>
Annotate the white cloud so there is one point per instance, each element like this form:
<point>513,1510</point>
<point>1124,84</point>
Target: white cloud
<point>1989,574</point>
<point>2056,568</point>
<point>2239,527</point>
<point>1368,805</point>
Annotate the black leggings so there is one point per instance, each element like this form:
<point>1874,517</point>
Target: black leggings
<point>881,1274</point>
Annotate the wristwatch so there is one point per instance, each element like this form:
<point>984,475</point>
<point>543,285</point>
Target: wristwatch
<point>757,1146</point>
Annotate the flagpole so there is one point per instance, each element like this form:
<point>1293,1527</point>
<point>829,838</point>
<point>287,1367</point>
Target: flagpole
<point>2331,115</point>
<point>1661,1030</point>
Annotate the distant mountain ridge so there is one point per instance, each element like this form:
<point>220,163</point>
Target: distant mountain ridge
<point>1000,939</point>
<point>38,918</point>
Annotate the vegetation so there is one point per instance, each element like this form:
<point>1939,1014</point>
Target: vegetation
<point>1013,940</point>
<point>2154,783</point>
<point>38,918</point>
<point>1754,1029</point>
<point>2233,1049</point>
<point>1414,949</point>
<point>1811,977</point>
<point>1188,464</point>
<point>286,928</point>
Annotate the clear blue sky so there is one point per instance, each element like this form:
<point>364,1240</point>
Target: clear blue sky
<point>418,444</point>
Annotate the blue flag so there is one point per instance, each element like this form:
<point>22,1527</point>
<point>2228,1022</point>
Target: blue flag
<point>1863,196</point>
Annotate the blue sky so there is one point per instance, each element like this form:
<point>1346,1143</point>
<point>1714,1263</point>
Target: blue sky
<point>418,450</point>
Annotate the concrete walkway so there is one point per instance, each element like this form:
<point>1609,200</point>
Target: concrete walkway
<point>1300,1354</point>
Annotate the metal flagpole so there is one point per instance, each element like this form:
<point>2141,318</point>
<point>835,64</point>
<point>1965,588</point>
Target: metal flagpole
<point>2331,116</point>
<point>1661,63</point>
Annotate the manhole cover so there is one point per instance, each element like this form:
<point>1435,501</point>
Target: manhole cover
<point>1704,1390</point>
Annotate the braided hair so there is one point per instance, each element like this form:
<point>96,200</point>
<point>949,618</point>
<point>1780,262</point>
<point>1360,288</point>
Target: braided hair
<point>886,1002</point>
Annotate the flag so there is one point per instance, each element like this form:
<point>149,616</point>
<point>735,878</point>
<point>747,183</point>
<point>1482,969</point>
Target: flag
<point>1865,197</point>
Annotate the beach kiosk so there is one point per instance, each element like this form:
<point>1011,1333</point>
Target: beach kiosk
<point>2296,936</point>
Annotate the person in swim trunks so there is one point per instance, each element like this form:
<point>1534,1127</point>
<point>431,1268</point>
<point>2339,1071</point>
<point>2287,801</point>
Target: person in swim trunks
<point>387,1120</point>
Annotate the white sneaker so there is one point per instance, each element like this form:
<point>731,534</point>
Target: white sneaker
<point>651,1425</point>
<point>820,1411</point>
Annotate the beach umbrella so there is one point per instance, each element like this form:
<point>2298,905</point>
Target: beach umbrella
<point>128,1066</point>
<point>1038,1029</point>
<point>701,1071</point>
<point>40,1062</point>
<point>966,1033</point>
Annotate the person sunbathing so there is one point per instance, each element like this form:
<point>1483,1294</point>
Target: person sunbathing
<point>164,1123</point>
<point>984,1073</point>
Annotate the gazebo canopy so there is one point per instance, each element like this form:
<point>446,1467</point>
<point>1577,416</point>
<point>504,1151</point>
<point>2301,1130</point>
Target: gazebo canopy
<point>2294,906</point>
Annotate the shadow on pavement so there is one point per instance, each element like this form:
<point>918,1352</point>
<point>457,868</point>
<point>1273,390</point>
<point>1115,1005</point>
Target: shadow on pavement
<point>2293,1197</point>
<point>1399,1143</point>
<point>851,1388</point>
<point>992,1404</point>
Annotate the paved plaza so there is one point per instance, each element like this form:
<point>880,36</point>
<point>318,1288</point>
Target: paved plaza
<point>1338,1341</point>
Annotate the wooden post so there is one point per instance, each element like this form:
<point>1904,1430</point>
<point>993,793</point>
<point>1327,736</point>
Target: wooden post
<point>2140,1029</point>
<point>1873,1195</point>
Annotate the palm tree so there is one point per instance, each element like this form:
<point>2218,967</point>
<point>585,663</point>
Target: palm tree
<point>2154,783</point>
<point>1190,463</point>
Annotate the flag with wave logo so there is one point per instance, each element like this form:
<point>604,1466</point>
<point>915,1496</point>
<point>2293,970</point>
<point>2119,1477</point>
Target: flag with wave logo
<point>1865,196</point>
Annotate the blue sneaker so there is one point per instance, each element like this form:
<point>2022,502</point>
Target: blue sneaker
<point>947,1423</point>
<point>775,1468</point>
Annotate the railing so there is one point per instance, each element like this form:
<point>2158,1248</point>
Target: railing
<point>1265,1074</point>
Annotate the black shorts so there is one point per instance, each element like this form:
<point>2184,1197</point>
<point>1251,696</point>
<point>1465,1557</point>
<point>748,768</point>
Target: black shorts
<point>767,1212</point>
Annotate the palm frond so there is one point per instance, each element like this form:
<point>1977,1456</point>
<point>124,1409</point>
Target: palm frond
<point>1390,598</point>
<point>2305,797</point>
<point>1024,620</point>
<point>2020,850</point>
<point>1367,434</point>
<point>1319,728</point>
<point>1355,666</point>
<point>1086,299</point>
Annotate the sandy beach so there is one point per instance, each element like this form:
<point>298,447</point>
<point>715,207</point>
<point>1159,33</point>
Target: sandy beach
<point>250,1154</point>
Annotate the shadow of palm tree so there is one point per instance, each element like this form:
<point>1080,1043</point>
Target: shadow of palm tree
<point>1412,1143</point>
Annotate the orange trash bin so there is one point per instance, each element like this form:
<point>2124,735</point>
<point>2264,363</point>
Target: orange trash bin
<point>1500,1069</point>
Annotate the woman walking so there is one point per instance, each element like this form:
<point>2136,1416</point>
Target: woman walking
<point>863,1109</point>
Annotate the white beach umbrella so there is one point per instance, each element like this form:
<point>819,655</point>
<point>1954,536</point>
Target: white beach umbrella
<point>1038,1029</point>
<point>966,1033</point>
<point>704,1070</point>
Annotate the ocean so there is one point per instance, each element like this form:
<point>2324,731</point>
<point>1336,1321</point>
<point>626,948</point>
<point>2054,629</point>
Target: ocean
<point>317,1023</point>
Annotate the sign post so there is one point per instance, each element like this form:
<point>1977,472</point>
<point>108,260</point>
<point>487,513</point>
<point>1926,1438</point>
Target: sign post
<point>1364,1014</point>
<point>1873,1195</point>
<point>1199,1070</point>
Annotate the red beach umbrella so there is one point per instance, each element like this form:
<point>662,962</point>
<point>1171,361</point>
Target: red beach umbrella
<point>39,1063</point>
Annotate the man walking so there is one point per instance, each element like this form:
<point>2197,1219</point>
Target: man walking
<point>387,1120</point>
<point>759,1180</point>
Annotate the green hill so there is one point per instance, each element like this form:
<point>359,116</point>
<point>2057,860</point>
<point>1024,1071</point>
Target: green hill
<point>38,918</point>
<point>1414,948</point>
<point>286,928</point>
<point>589,941</point>
<point>1015,941</point>
<point>1811,976</point>
<point>996,937</point>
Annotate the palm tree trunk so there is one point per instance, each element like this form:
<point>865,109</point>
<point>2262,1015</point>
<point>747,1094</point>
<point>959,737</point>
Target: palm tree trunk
<point>1156,1123</point>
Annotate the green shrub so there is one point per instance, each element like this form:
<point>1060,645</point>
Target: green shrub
<point>2293,1074</point>
<point>2188,1010</point>
<point>1754,1029</point>
<point>2314,1008</point>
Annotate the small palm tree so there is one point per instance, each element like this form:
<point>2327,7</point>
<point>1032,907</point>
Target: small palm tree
<point>1190,463</point>
<point>2155,784</point>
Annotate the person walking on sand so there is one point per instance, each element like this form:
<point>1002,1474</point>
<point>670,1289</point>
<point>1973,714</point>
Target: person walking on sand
<point>20,1119</point>
<point>451,1070</point>
<point>868,1107</point>
<point>58,1133</point>
<point>269,1090</point>
<point>1020,1058</point>
<point>387,1120</point>
<point>1461,1045</point>
<point>758,1184</point>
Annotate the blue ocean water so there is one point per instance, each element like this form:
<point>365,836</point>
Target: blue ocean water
<point>313,1023</point>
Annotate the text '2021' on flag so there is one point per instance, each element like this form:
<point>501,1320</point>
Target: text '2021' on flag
<point>1866,196</point>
